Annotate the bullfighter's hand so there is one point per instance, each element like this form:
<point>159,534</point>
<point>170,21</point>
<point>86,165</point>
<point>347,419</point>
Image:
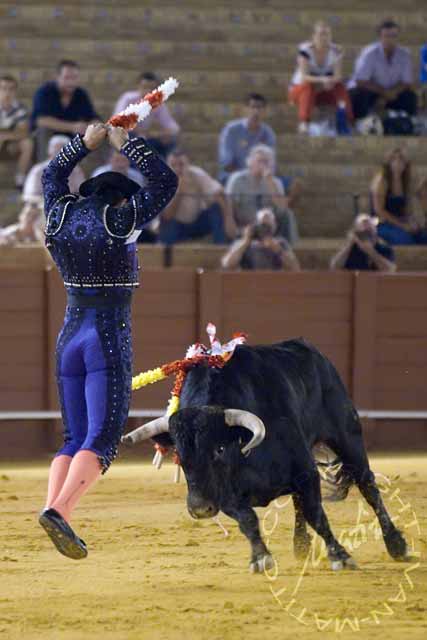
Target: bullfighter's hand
<point>117,137</point>
<point>94,136</point>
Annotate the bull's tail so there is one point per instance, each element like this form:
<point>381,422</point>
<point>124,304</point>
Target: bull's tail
<point>335,481</point>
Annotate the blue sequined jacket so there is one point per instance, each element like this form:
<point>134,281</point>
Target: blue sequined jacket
<point>94,245</point>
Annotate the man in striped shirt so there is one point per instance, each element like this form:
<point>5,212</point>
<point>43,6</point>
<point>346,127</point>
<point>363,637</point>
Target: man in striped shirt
<point>14,137</point>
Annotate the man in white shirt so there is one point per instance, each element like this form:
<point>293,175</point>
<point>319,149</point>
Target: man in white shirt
<point>159,129</point>
<point>383,75</point>
<point>199,207</point>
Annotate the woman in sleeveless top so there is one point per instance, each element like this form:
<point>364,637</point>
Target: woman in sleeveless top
<point>390,200</point>
<point>318,77</point>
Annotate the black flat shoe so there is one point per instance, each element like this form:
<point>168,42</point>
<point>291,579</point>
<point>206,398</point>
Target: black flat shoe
<point>62,535</point>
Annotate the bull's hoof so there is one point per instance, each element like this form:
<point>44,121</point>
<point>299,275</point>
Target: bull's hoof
<point>346,563</point>
<point>261,564</point>
<point>396,545</point>
<point>302,544</point>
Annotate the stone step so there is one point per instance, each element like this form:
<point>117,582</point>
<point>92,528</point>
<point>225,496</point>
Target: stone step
<point>181,23</point>
<point>335,5</point>
<point>104,65</point>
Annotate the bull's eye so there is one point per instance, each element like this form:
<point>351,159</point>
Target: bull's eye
<point>219,450</point>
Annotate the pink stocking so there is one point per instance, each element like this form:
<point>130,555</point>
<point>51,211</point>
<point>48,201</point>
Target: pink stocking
<point>57,474</point>
<point>84,471</point>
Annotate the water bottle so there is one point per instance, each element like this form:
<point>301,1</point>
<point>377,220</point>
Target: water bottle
<point>423,64</point>
<point>341,120</point>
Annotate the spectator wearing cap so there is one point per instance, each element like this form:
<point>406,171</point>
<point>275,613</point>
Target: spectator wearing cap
<point>199,207</point>
<point>15,141</point>
<point>238,137</point>
<point>159,128</point>
<point>261,248</point>
<point>32,191</point>
<point>61,106</point>
<point>257,187</point>
<point>383,75</point>
<point>363,250</point>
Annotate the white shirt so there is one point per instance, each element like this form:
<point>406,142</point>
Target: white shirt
<point>306,49</point>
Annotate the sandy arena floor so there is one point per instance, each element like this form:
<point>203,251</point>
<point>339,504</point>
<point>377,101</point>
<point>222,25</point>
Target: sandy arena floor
<point>152,572</point>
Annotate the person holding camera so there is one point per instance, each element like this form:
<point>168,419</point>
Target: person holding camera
<point>259,248</point>
<point>364,250</point>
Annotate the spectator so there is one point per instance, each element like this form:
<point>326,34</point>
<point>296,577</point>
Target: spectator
<point>390,196</point>
<point>14,134</point>
<point>364,250</point>
<point>120,164</point>
<point>61,106</point>
<point>32,191</point>
<point>318,77</point>
<point>256,187</point>
<point>421,195</point>
<point>261,248</point>
<point>28,229</point>
<point>383,76</point>
<point>199,207</point>
<point>238,137</point>
<point>159,128</point>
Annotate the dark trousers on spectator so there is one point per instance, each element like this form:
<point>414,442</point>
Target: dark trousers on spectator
<point>209,221</point>
<point>364,102</point>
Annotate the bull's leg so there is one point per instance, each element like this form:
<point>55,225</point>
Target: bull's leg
<point>312,509</point>
<point>248,524</point>
<point>302,538</point>
<point>365,480</point>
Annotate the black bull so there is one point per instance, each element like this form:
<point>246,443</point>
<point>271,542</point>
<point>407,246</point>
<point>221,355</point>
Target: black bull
<point>298,395</point>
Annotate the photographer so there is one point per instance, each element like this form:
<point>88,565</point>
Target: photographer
<point>259,248</point>
<point>364,250</point>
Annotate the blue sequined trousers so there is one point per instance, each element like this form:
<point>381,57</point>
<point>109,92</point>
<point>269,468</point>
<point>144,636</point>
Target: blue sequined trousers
<point>94,376</point>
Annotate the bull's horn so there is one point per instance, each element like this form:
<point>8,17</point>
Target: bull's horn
<point>239,418</point>
<point>153,428</point>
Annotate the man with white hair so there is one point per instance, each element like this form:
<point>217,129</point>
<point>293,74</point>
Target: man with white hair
<point>32,191</point>
<point>363,250</point>
<point>257,187</point>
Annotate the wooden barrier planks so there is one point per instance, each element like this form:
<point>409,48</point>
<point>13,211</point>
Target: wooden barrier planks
<point>390,356</point>
<point>271,307</point>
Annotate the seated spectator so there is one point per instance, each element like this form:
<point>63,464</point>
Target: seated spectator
<point>32,191</point>
<point>261,248</point>
<point>390,197</point>
<point>238,137</point>
<point>256,187</point>
<point>421,196</point>
<point>15,141</point>
<point>120,163</point>
<point>383,76</point>
<point>363,249</point>
<point>199,207</point>
<point>318,78</point>
<point>61,106</point>
<point>159,128</point>
<point>28,229</point>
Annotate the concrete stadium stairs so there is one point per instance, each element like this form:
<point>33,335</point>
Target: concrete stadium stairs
<point>219,53</point>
